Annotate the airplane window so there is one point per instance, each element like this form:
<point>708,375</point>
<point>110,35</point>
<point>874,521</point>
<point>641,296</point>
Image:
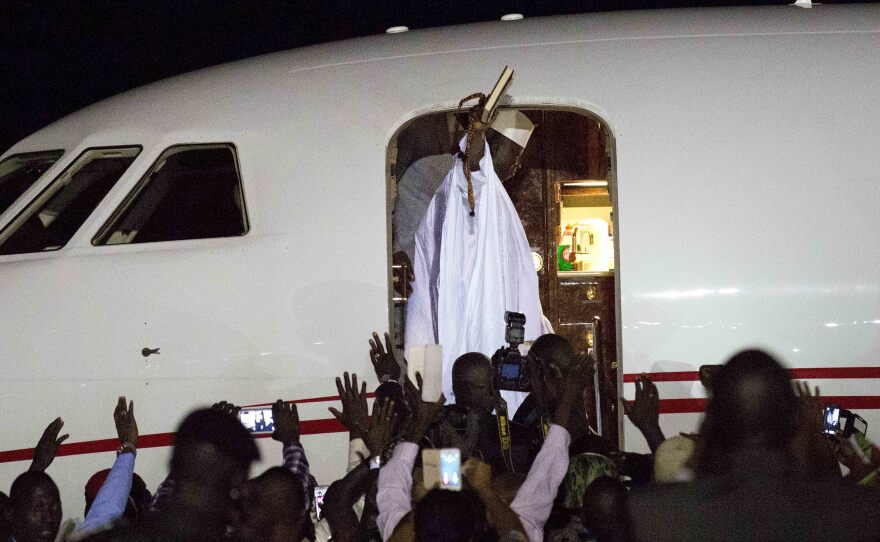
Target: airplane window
<point>56,214</point>
<point>192,192</point>
<point>19,172</point>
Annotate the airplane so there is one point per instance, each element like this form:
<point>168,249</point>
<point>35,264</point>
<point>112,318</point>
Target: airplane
<point>227,234</point>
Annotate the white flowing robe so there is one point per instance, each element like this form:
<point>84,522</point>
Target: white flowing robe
<point>470,270</point>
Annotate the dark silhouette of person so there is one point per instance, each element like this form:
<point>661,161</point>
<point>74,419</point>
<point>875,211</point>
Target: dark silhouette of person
<point>36,507</point>
<point>749,485</point>
<point>210,462</point>
<point>472,383</point>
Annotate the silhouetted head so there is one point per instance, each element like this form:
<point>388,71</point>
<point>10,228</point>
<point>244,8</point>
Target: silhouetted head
<point>472,382</point>
<point>36,507</point>
<point>5,516</point>
<point>450,516</point>
<point>604,507</point>
<point>752,405</point>
<point>274,501</point>
<point>212,456</point>
<point>552,349</point>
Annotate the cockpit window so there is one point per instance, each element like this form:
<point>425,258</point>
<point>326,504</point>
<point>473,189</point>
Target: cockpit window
<point>192,192</point>
<point>56,214</point>
<point>20,171</point>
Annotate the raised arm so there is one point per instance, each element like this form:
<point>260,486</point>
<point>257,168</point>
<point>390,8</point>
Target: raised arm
<point>644,412</point>
<point>384,362</point>
<point>500,516</point>
<point>47,446</point>
<point>534,500</point>
<point>395,478</point>
<point>112,498</point>
<point>287,432</point>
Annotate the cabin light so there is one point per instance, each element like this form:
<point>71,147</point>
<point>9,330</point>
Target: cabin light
<point>512,17</point>
<point>676,294</point>
<point>832,324</point>
<point>397,30</point>
<point>795,350</point>
<point>728,291</point>
<point>806,4</point>
<point>587,183</point>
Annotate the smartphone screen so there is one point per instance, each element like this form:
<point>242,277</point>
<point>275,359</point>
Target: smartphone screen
<point>832,419</point>
<point>257,419</point>
<point>450,469</point>
<point>320,491</point>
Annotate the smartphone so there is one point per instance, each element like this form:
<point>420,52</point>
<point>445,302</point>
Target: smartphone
<point>257,419</point>
<point>832,419</point>
<point>320,491</point>
<point>442,468</point>
<point>859,424</point>
<point>450,469</point>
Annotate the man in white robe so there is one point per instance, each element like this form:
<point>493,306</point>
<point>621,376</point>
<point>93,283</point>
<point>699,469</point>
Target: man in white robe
<point>469,270</point>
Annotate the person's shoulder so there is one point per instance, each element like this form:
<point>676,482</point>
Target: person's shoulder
<point>665,511</point>
<point>659,497</point>
<point>847,493</point>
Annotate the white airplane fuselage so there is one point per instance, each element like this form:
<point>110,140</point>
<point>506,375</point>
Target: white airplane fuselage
<point>747,213</point>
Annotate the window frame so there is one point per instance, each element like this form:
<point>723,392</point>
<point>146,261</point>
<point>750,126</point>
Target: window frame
<point>142,183</point>
<point>46,193</point>
<point>25,156</point>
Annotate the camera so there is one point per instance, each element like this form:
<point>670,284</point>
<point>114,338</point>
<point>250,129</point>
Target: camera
<point>510,368</point>
<point>847,422</point>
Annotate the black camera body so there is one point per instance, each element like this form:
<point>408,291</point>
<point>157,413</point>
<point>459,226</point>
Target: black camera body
<point>510,369</point>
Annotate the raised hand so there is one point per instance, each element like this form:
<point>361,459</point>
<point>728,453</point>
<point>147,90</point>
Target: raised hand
<point>286,419</point>
<point>126,424</point>
<point>572,394</point>
<point>810,408</point>
<point>227,408</point>
<point>47,447</point>
<point>422,414</point>
<point>644,412</point>
<point>383,359</point>
<point>478,475</point>
<point>381,429</point>
<point>355,414</point>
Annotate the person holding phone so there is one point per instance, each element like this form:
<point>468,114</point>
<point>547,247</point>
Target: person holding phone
<point>527,513</point>
<point>475,508</point>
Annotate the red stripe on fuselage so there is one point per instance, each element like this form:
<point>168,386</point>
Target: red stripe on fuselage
<point>157,440</point>
<point>331,425</point>
<point>798,374</point>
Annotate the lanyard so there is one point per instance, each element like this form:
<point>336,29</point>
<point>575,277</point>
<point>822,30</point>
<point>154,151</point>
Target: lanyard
<point>504,433</point>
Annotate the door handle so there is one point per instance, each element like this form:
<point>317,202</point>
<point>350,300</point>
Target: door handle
<point>149,351</point>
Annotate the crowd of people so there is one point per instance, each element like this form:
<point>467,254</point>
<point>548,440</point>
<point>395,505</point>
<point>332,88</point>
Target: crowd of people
<point>760,468</point>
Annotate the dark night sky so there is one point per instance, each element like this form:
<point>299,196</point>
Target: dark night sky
<point>58,56</point>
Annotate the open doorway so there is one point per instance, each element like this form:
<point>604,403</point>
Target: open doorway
<point>564,197</point>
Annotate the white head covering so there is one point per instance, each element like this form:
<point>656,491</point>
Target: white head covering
<point>671,460</point>
<point>513,125</point>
